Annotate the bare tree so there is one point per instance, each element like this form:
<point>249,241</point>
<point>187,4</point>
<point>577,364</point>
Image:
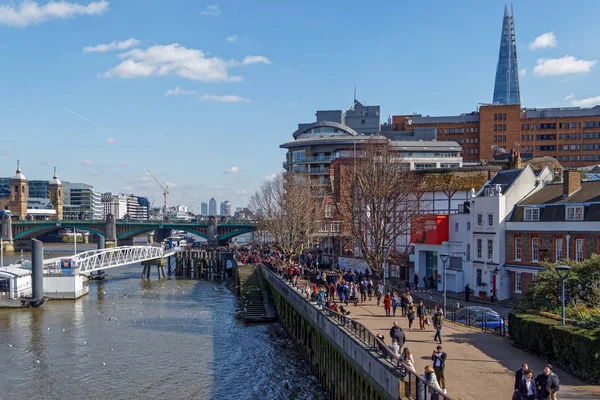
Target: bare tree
<point>288,209</point>
<point>377,197</point>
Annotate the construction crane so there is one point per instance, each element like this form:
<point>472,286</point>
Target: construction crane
<point>165,189</point>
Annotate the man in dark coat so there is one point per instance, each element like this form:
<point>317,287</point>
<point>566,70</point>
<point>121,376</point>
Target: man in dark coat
<point>439,364</point>
<point>416,281</point>
<point>546,383</point>
<point>520,375</point>
<point>400,336</point>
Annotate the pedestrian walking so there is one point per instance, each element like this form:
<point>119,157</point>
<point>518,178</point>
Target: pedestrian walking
<point>387,304</point>
<point>546,384</point>
<point>378,294</point>
<point>438,321</point>
<point>403,303</point>
<point>395,302</point>
<point>467,293</point>
<point>422,314</point>
<point>520,375</point>
<point>527,389</point>
<point>410,314</point>
<point>416,281</point>
<point>439,365</point>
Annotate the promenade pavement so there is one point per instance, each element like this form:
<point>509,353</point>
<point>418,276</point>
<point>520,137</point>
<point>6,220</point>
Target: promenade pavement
<point>479,365</point>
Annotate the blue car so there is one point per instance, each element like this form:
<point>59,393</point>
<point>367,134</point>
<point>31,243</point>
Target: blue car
<point>480,317</point>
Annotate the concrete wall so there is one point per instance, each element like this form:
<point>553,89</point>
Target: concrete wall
<point>299,316</point>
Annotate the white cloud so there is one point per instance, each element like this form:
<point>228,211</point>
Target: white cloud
<point>233,38</point>
<point>523,72</point>
<point>228,98</point>
<point>271,177</point>
<point>587,102</point>
<point>232,170</point>
<point>256,60</point>
<point>543,41</point>
<point>114,45</point>
<point>213,11</point>
<point>174,59</point>
<point>112,140</point>
<point>86,163</point>
<point>239,192</point>
<point>562,66</point>
<point>569,97</point>
<point>29,12</point>
<point>178,91</point>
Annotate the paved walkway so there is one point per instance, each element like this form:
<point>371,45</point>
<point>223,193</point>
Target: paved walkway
<point>479,365</point>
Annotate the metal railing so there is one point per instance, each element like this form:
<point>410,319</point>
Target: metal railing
<point>412,386</point>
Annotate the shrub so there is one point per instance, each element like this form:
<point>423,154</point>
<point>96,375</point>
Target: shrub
<point>574,349</point>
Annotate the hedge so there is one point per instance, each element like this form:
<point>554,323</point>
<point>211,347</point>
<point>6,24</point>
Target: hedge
<point>573,349</point>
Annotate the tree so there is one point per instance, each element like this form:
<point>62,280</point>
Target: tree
<point>289,210</point>
<point>377,198</point>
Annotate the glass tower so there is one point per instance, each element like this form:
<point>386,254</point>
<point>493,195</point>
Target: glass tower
<point>506,87</point>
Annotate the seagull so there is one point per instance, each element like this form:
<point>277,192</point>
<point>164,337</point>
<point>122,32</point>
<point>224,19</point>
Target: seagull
<point>103,363</point>
<point>63,329</point>
<point>37,361</point>
<point>10,345</point>
<point>48,328</point>
<point>111,349</point>
<point>84,342</point>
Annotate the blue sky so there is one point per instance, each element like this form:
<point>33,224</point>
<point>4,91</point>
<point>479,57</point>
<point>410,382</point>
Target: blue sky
<point>191,88</point>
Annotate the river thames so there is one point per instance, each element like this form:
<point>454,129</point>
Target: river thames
<point>130,338</point>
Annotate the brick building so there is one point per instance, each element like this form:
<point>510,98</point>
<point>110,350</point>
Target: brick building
<point>571,135</point>
<point>558,222</point>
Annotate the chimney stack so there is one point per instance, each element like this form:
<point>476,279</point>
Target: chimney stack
<point>571,181</point>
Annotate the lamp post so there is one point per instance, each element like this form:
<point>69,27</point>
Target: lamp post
<point>444,257</point>
<point>1,251</point>
<point>563,272</point>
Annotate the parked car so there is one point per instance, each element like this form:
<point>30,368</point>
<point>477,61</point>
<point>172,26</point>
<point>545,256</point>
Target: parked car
<point>480,317</point>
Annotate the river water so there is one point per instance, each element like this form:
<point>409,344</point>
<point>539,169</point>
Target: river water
<point>135,339</point>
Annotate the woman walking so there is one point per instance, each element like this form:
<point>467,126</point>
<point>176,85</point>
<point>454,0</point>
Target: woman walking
<point>395,302</point>
<point>387,303</point>
<point>422,314</point>
<point>410,314</point>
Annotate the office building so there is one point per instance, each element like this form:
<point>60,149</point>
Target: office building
<point>506,86</point>
<point>225,208</point>
<point>85,201</point>
<point>212,207</point>
<point>204,209</point>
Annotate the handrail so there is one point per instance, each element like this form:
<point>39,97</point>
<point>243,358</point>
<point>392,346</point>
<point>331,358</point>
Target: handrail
<point>367,336</point>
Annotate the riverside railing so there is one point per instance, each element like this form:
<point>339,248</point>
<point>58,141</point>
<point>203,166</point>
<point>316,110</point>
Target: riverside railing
<point>412,386</point>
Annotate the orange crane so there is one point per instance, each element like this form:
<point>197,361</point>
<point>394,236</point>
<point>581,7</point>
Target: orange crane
<point>165,189</point>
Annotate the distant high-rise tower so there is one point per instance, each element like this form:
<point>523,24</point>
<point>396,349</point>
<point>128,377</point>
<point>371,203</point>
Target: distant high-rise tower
<point>212,207</point>
<point>506,87</point>
<point>204,209</point>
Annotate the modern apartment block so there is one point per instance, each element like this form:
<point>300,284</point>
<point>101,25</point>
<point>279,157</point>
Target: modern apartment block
<point>85,202</point>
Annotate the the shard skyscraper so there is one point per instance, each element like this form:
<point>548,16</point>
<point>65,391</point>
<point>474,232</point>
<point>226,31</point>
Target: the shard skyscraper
<point>506,87</point>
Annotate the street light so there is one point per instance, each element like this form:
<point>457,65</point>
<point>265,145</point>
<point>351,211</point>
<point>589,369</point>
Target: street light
<point>563,272</point>
<point>444,257</point>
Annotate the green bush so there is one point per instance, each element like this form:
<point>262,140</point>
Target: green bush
<point>574,349</point>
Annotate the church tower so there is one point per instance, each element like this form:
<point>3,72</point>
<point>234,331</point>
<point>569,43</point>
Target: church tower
<point>55,194</point>
<point>18,194</point>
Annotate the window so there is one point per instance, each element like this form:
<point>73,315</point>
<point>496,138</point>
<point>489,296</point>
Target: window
<point>479,249</point>
<point>479,219</point>
<point>468,227</point>
<point>479,276</point>
<point>559,249</point>
<point>517,249</point>
<point>503,127</point>
<point>495,127</point>
<point>335,227</point>
<point>329,211</point>
<point>495,117</point>
<point>363,121</point>
<point>490,219</point>
<point>575,213</point>
<point>504,117</point>
<point>490,249</point>
<point>456,227</point>
<point>532,214</point>
<point>468,252</point>
<point>535,250</point>
<point>518,282</point>
<point>299,155</point>
<point>579,250</point>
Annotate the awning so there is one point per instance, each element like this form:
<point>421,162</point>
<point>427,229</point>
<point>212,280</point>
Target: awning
<point>523,268</point>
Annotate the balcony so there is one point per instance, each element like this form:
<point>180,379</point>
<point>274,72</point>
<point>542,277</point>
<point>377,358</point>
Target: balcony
<point>311,159</point>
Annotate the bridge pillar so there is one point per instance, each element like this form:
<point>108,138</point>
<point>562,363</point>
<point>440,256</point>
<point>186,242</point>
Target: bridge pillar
<point>6,232</point>
<point>101,242</point>
<point>111,230</point>
<point>213,233</point>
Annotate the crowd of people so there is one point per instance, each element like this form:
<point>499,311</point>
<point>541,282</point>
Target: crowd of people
<point>335,289</point>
